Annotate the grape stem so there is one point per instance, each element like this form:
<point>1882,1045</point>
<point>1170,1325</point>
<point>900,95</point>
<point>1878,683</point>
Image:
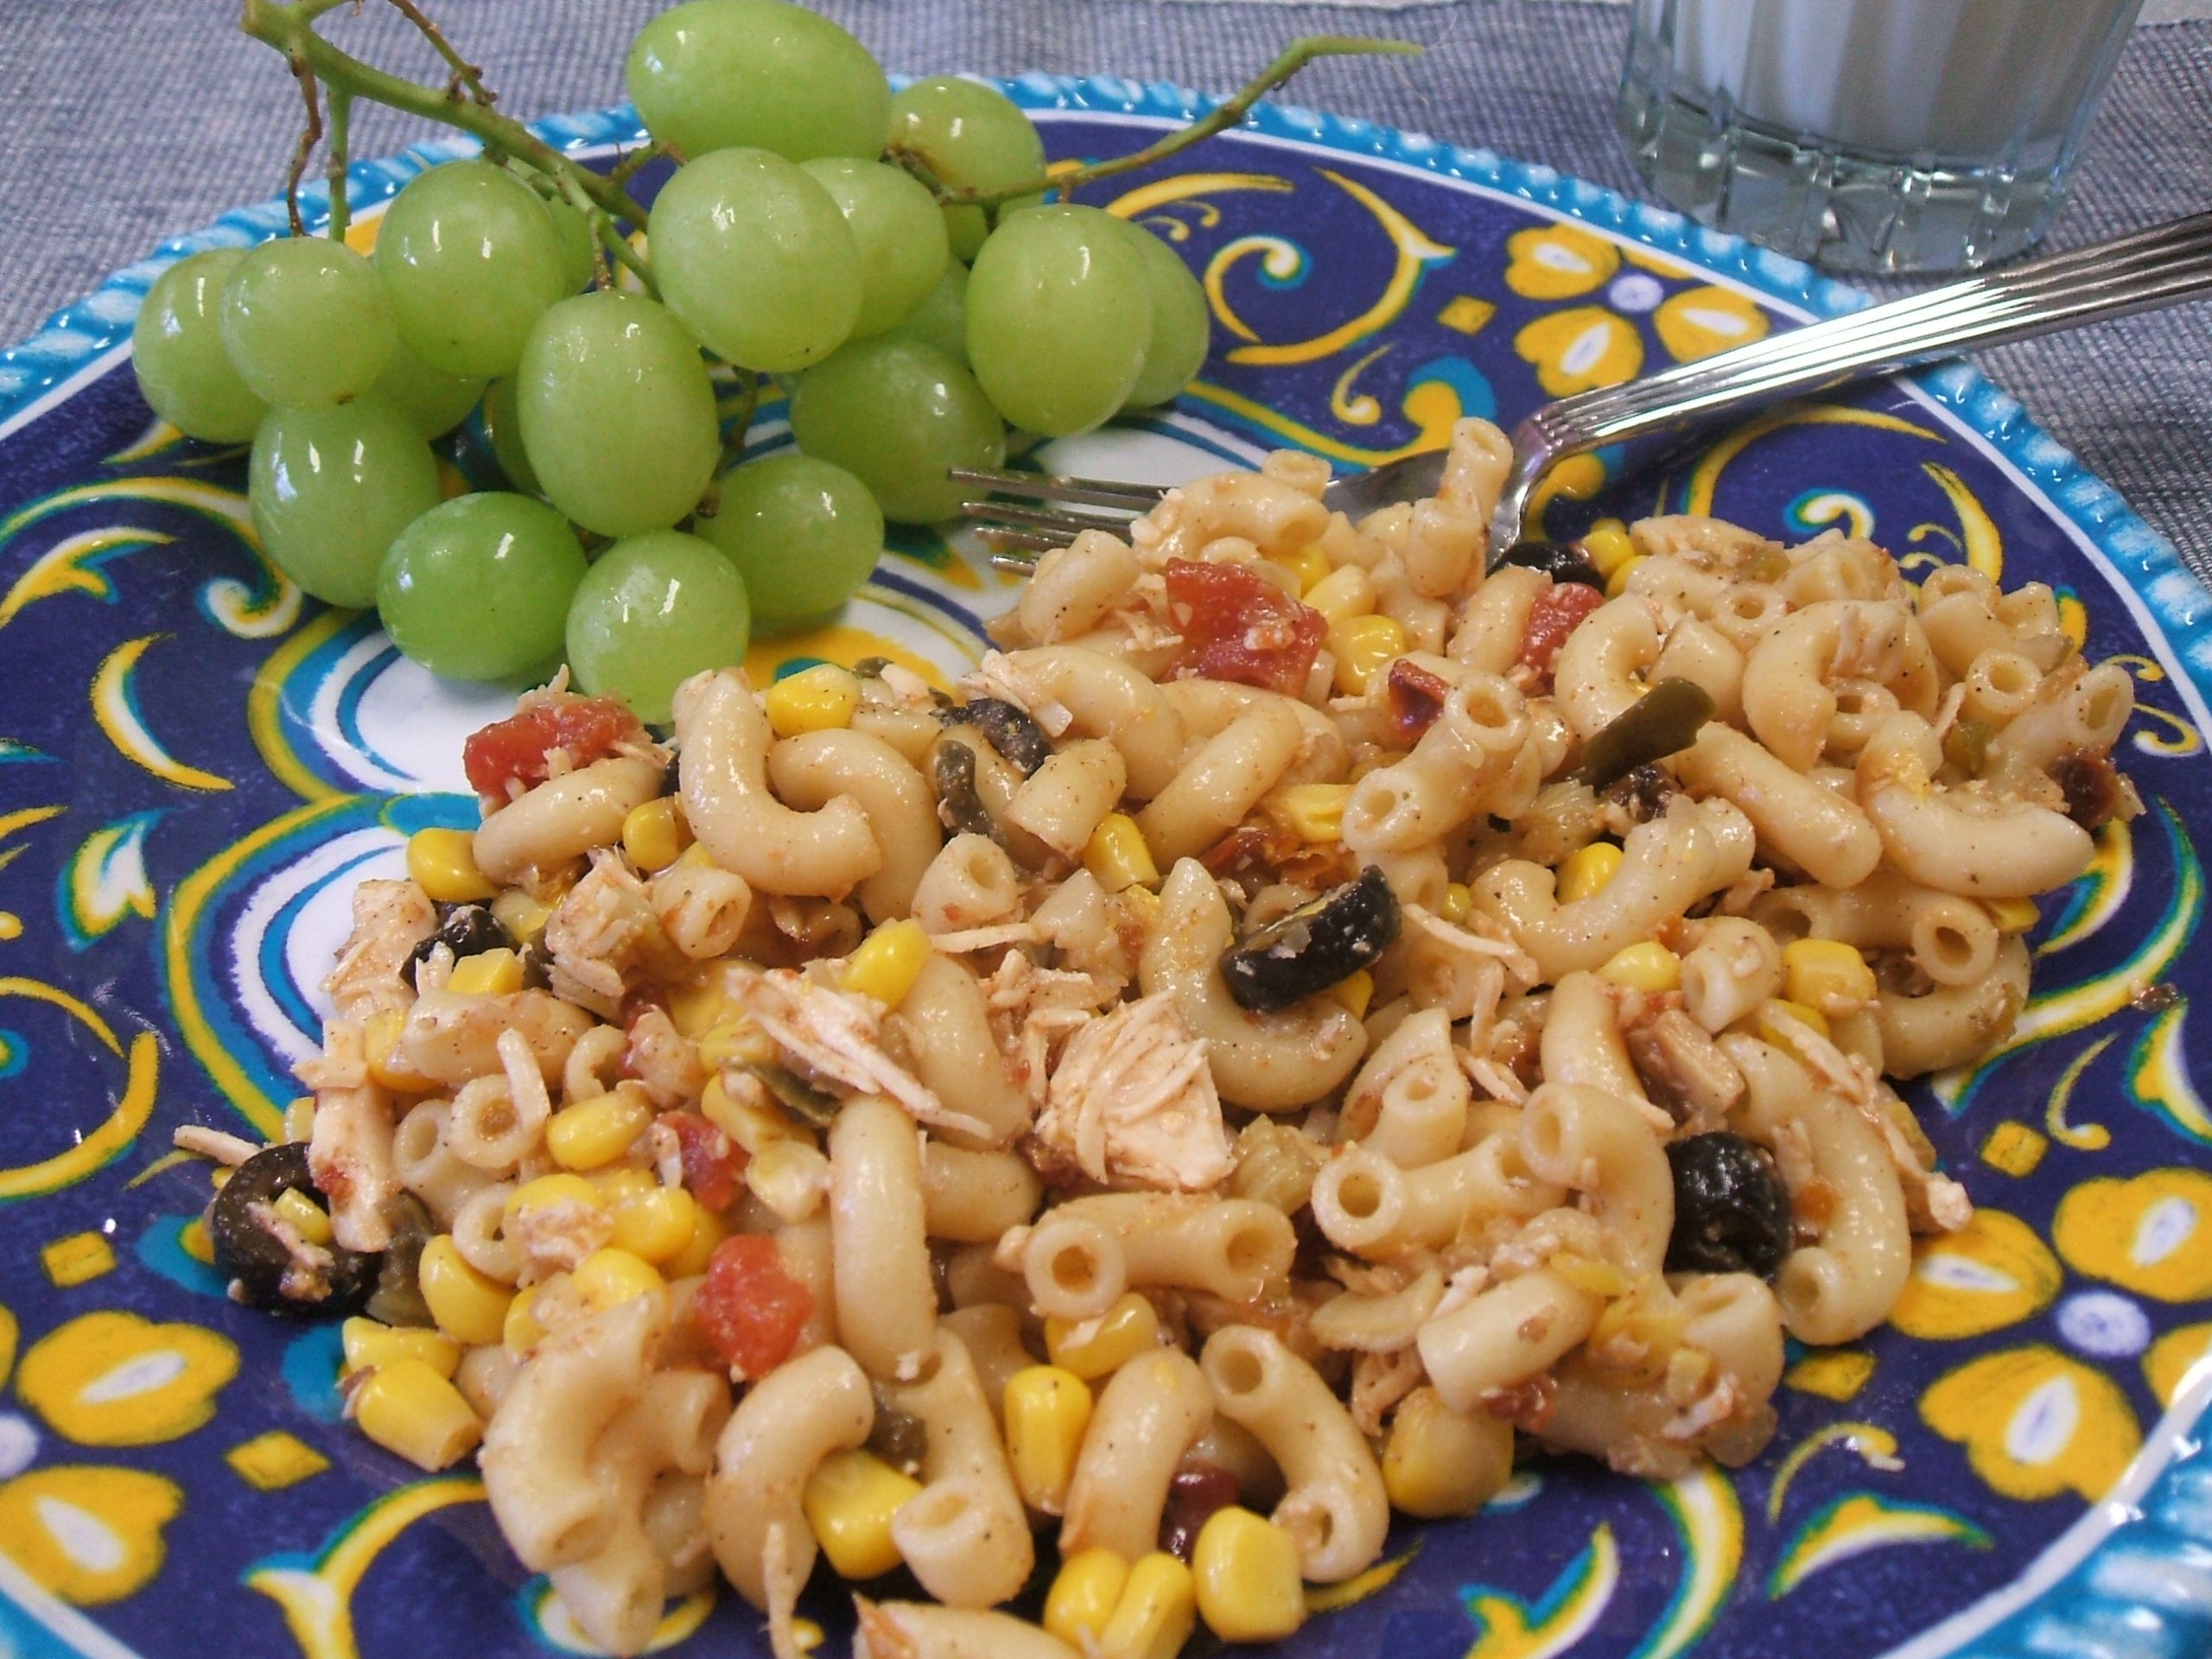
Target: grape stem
<point>290,30</point>
<point>1230,112</point>
<point>311,135</point>
<point>467,76</point>
<point>341,120</point>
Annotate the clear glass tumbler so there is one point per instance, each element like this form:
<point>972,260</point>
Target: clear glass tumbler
<point>1884,135</point>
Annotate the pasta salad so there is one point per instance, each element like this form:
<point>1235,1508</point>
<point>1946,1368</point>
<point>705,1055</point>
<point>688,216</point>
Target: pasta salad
<point>1307,1023</point>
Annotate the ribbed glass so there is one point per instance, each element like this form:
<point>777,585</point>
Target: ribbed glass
<point>1879,135</point>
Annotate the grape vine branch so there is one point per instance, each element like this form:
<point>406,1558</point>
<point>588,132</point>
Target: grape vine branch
<point>464,102</point>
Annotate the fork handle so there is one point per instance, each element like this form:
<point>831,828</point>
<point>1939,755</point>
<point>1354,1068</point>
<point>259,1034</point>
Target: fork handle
<point>2141,271</point>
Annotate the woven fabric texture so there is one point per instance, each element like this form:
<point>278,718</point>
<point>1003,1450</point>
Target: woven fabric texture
<point>132,120</point>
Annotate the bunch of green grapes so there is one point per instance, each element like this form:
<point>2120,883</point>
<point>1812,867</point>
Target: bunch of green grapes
<point>800,238</point>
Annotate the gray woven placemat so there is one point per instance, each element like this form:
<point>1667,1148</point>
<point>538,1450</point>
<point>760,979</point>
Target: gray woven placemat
<point>118,136</point>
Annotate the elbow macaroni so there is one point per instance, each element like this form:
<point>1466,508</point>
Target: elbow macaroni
<point>1028,1120</point>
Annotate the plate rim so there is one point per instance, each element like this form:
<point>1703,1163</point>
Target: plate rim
<point>2061,1585</point>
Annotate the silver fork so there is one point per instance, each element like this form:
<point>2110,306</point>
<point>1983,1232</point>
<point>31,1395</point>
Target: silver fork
<point>2141,271</point>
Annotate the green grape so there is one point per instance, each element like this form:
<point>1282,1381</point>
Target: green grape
<point>651,613</point>
<point>503,426</point>
<point>899,231</point>
<point>803,533</point>
<point>753,257</point>
<point>1181,324</point>
<point>895,414</point>
<point>471,259</point>
<point>1060,314</point>
<point>331,488</point>
<point>306,322</point>
<point>617,413</point>
<point>712,74</point>
<point>579,247</point>
<point>967,135</point>
<point>941,319</point>
<point>184,375</point>
<point>478,587</point>
<point>435,401</point>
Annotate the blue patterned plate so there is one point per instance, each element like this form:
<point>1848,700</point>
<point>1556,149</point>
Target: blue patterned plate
<point>195,767</point>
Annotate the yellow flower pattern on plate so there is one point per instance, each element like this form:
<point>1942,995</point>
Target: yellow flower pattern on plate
<point>2036,1423</point>
<point>116,1379</point>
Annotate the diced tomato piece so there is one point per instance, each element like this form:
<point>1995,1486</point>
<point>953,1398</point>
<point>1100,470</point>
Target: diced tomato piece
<point>713,1165</point>
<point>1415,698</point>
<point>1559,610</point>
<point>750,1310</point>
<point>1240,627</point>
<point>514,750</point>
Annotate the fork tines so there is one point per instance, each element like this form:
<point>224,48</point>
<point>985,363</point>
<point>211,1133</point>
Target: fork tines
<point>1018,534</point>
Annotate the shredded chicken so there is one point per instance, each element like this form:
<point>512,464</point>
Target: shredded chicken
<point>1457,968</point>
<point>307,1265</point>
<point>1131,1104</point>
<point>349,1153</point>
<point>1685,1070</point>
<point>604,936</point>
<point>390,920</point>
<point>835,1037</point>
<point>1379,1381</point>
<point>997,677</point>
<point>1032,1009</point>
<point>218,1144</point>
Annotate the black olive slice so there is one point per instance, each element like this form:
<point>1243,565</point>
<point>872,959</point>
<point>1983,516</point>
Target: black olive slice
<point>1731,1211</point>
<point>959,809</point>
<point>254,1259</point>
<point>465,930</point>
<point>1322,942</point>
<point>1664,720</point>
<point>1006,728</point>
<point>1564,561</point>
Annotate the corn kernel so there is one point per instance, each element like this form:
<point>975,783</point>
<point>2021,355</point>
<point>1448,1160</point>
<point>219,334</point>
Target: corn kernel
<point>1047,1411</point>
<point>610,1277</point>
<point>469,1307</point>
<point>1599,1278</point>
<point>522,1331</point>
<point>443,864</point>
<point>791,1178</point>
<point>1084,1595</point>
<point>547,1191</point>
<point>309,1219</point>
<point>1246,1574</point>
<point>807,1636</point>
<point>1438,1462</point>
<point>1092,1347</point>
<point>1826,974</point>
<point>1458,903</point>
<point>1363,647</point>
<point>888,962</point>
<point>1309,564</point>
<point>299,1119</point>
<point>654,834</point>
<point>751,1120</point>
<point>1617,583</point>
<point>707,1232</point>
<point>1154,1617</point>
<point>387,1067</point>
<point>735,1038</point>
<point>410,1410</point>
<point>818,699</point>
<point>698,1005</point>
<point>192,1238</point>
<point>624,1184</point>
<point>849,1500</point>
<point>523,917</point>
<point>1607,546</point>
<point>1586,870</point>
<point>1772,1019</point>
<point>1312,812</point>
<point>1344,593</point>
<point>1648,966</point>
<point>219,1176</point>
<point>1357,993</point>
<point>596,1131</point>
<point>2013,915</point>
<point>1117,855</point>
<point>657,1225</point>
<point>370,1343</point>
<point>488,973</point>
